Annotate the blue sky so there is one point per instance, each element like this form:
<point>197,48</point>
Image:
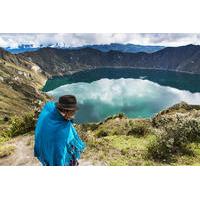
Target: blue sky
<point>79,39</point>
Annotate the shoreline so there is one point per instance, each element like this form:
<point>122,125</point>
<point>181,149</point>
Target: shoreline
<point>120,67</point>
<point>142,70</point>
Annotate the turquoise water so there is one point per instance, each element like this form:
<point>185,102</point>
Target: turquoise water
<point>136,92</point>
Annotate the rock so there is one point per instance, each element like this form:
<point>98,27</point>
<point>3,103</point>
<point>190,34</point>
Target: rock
<point>36,68</point>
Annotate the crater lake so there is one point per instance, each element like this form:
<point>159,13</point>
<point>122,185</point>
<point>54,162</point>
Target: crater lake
<point>139,93</point>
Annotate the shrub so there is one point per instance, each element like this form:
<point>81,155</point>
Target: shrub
<point>161,148</point>
<point>174,139</point>
<point>118,115</point>
<point>6,151</point>
<point>21,125</point>
<point>138,128</point>
<point>3,138</point>
<point>89,126</point>
<point>121,115</point>
<point>101,133</point>
<point>109,118</point>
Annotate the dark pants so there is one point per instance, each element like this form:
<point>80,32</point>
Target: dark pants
<point>74,163</point>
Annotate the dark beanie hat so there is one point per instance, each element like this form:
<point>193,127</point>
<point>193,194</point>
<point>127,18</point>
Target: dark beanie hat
<point>67,102</point>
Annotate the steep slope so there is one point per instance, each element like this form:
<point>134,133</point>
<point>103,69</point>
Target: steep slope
<point>20,82</point>
<point>66,61</point>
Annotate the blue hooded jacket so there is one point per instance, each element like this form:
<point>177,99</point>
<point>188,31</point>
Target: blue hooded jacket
<point>56,139</point>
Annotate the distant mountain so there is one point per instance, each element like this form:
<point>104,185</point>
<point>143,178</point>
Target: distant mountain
<point>22,48</point>
<point>132,48</point>
<point>64,61</point>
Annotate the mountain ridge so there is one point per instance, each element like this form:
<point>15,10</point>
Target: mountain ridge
<point>67,61</point>
<point>132,48</point>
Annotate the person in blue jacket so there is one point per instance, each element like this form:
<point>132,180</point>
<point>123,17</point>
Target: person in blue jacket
<point>56,141</point>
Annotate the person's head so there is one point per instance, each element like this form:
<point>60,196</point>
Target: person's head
<point>67,106</point>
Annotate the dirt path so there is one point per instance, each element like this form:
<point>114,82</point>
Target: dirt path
<point>23,153</point>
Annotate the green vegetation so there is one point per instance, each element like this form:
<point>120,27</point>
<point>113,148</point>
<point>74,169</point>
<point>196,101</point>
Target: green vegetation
<point>6,151</point>
<point>172,137</point>
<point>175,139</point>
<point>139,128</point>
<point>20,125</point>
<point>19,89</point>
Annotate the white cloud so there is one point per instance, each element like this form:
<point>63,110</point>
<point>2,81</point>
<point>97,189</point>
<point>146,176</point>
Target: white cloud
<point>79,39</point>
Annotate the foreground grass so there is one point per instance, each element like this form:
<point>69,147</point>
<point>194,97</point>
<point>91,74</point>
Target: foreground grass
<point>121,141</point>
<point>120,150</point>
<point>132,151</point>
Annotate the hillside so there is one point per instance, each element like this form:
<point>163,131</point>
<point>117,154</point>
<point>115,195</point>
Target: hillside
<point>20,85</point>
<point>122,141</point>
<point>67,61</point>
